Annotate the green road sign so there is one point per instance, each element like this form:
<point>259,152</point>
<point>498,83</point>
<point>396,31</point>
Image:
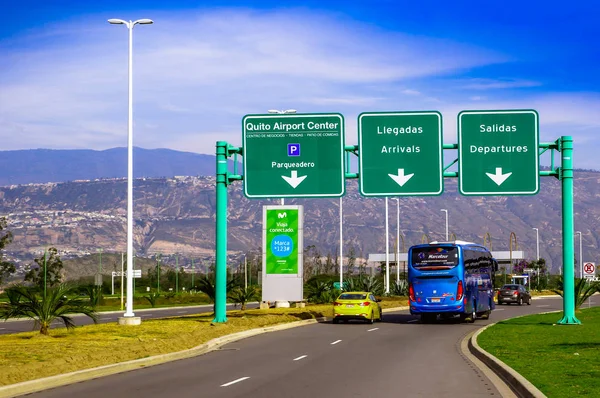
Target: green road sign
<point>400,153</point>
<point>498,152</point>
<point>299,155</point>
<point>281,241</point>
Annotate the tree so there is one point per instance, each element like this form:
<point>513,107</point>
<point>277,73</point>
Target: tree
<point>242,296</point>
<point>541,278</point>
<point>582,290</point>
<point>308,268</point>
<point>54,267</point>
<point>6,267</point>
<point>519,268</point>
<point>25,303</point>
<point>329,264</point>
<point>362,266</point>
<point>207,286</point>
<point>351,259</point>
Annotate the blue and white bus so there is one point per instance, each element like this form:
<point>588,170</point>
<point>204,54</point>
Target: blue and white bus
<point>449,279</point>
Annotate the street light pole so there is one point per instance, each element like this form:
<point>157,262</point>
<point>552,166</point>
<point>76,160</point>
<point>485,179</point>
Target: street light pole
<point>580,258</point>
<point>245,272</point>
<point>341,246</point>
<point>446,211</point>
<point>537,252</point>
<point>397,240</point>
<point>387,249</point>
<point>282,112</point>
<point>129,306</point>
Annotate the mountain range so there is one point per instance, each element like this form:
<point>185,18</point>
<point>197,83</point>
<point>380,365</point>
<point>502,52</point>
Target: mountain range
<point>177,215</point>
<point>60,165</point>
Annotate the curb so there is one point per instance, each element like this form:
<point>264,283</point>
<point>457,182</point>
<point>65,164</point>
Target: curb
<point>517,383</point>
<point>31,386</point>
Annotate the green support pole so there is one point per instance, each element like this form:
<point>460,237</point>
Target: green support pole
<point>221,235</point>
<point>193,272</point>
<point>566,177</point>
<point>158,274</point>
<point>177,273</point>
<point>45,273</point>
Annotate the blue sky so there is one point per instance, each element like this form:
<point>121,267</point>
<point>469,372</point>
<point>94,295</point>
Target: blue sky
<point>203,65</point>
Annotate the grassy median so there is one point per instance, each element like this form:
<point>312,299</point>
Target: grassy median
<point>28,356</point>
<point>560,360</point>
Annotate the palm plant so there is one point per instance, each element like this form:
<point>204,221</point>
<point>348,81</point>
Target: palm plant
<point>318,291</point>
<point>352,284</point>
<point>207,286</point>
<point>240,295</point>
<point>94,293</point>
<point>152,298</point>
<point>372,284</point>
<point>26,303</point>
<point>582,290</point>
<point>399,288</point>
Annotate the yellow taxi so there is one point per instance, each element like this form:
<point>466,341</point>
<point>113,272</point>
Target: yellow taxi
<point>357,305</point>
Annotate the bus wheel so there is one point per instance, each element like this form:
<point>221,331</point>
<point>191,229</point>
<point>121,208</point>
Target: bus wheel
<point>473,314</point>
<point>469,317</point>
<point>486,315</point>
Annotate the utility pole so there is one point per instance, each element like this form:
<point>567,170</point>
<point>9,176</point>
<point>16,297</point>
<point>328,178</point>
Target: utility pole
<point>193,272</point>
<point>45,273</point>
<point>158,273</point>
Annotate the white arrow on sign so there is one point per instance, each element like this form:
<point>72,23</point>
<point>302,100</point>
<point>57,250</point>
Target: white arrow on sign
<point>294,180</point>
<point>498,178</point>
<point>401,179</point>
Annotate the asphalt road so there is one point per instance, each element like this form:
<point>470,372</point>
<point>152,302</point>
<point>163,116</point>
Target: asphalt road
<point>17,326</point>
<point>398,357</point>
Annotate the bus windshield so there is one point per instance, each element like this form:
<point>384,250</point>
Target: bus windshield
<point>434,257</point>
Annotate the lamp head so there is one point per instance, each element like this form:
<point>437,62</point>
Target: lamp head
<point>144,21</point>
<point>115,21</point>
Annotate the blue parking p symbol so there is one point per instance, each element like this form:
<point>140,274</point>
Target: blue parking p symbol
<point>293,150</point>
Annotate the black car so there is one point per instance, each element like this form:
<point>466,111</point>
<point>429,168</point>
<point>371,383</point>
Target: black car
<point>514,294</point>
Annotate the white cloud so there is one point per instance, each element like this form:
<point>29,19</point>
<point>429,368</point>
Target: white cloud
<point>491,84</point>
<point>197,74</point>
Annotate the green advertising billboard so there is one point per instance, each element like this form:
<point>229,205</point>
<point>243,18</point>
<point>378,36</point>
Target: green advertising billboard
<point>282,239</point>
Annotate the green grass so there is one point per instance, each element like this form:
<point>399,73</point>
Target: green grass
<point>560,360</point>
<point>28,356</point>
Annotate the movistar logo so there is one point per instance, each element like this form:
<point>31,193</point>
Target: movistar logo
<point>281,215</point>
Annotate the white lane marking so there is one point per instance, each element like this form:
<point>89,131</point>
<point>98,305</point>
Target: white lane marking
<point>335,342</point>
<point>2,328</point>
<point>181,312</point>
<point>412,320</point>
<point>301,357</point>
<point>499,309</point>
<point>235,381</point>
<point>541,306</point>
<point>370,330</point>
